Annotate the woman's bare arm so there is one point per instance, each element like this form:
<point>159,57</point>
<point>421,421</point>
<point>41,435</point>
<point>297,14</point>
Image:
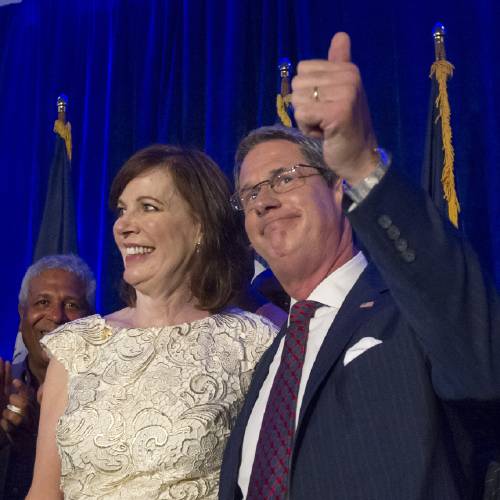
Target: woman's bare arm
<point>46,476</point>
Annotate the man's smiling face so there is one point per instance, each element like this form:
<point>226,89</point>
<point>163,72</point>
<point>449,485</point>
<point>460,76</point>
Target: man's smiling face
<point>55,296</point>
<point>296,230</point>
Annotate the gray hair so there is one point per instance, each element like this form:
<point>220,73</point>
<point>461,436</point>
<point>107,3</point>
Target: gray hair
<point>67,262</point>
<point>311,148</point>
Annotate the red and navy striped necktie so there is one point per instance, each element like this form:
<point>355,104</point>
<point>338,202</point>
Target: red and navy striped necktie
<point>271,466</point>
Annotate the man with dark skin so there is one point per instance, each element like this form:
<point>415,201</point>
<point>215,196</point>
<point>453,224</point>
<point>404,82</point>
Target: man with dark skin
<point>55,290</point>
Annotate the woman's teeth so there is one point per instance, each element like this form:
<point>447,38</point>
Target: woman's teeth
<point>138,250</point>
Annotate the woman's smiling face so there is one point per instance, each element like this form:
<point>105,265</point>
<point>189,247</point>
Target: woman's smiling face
<point>155,233</point>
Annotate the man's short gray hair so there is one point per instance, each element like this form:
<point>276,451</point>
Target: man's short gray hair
<point>67,262</point>
<point>311,148</point>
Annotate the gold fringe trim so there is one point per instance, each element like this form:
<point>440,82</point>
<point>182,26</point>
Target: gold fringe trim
<point>443,70</point>
<point>64,131</point>
<point>282,104</point>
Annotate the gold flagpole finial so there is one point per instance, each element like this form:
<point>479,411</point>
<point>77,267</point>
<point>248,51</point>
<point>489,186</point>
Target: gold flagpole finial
<point>284,67</point>
<point>438,33</point>
<point>62,105</point>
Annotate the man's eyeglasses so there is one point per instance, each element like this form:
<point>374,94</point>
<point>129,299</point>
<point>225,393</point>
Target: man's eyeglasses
<point>281,181</point>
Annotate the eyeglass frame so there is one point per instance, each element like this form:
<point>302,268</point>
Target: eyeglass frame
<point>237,200</point>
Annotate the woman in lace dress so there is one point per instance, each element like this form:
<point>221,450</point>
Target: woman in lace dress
<point>139,404</point>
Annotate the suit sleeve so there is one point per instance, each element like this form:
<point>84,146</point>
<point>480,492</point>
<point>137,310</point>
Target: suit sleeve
<point>438,284</point>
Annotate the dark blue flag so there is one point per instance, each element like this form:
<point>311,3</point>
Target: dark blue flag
<point>58,227</point>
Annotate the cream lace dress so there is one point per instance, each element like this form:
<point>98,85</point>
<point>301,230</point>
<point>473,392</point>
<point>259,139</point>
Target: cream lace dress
<point>150,410</point>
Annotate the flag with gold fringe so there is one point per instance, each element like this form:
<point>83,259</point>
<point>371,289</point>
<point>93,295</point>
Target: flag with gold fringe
<point>438,176</point>
<point>58,227</point>
<point>284,97</point>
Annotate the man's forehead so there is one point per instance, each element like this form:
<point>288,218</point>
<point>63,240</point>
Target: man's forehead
<point>266,158</point>
<point>54,281</point>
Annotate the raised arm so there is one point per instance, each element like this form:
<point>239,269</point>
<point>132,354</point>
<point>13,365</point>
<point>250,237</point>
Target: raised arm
<point>45,485</point>
<point>433,274</point>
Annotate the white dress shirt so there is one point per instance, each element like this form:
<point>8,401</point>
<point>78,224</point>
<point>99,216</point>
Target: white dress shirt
<point>331,292</point>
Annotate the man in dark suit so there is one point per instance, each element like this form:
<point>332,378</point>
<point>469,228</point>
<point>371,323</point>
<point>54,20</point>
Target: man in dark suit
<point>55,289</point>
<point>392,357</point>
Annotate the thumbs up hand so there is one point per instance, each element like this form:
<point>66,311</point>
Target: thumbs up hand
<point>330,102</point>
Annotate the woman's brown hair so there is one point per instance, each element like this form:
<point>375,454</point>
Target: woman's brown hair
<point>223,264</point>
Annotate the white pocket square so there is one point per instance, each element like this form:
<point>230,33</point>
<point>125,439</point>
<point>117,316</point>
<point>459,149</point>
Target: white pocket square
<point>359,348</point>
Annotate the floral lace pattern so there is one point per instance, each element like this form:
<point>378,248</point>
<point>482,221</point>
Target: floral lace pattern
<point>149,410</point>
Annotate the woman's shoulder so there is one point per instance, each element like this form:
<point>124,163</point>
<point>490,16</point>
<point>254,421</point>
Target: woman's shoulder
<point>87,328</point>
<point>244,335</point>
<point>245,326</point>
<point>71,340</point>
<point>77,324</point>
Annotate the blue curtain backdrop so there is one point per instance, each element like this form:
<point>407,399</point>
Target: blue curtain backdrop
<point>203,73</point>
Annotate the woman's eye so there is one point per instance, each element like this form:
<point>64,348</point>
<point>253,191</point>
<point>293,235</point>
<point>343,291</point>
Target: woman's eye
<point>119,211</point>
<point>42,302</point>
<point>149,208</point>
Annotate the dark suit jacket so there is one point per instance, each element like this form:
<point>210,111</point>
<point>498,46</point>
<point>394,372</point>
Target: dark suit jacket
<point>17,458</point>
<point>400,421</point>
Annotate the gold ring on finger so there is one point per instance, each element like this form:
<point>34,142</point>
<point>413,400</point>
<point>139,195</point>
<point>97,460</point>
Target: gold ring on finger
<point>315,94</point>
<point>15,409</point>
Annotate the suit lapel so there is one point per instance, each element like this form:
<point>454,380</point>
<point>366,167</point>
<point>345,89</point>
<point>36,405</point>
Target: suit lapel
<point>354,312</point>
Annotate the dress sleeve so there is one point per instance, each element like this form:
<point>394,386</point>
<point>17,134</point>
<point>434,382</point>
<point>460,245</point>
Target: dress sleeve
<point>258,334</point>
<point>73,343</point>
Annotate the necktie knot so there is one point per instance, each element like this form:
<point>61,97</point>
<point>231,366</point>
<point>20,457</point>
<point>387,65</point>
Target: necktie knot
<point>303,311</point>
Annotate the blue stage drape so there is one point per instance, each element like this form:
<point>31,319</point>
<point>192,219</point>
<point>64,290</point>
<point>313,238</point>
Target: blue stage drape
<point>202,73</point>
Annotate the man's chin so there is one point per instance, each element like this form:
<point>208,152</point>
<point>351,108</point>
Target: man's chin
<point>277,251</point>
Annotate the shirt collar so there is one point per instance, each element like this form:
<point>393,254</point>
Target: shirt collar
<point>333,290</point>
